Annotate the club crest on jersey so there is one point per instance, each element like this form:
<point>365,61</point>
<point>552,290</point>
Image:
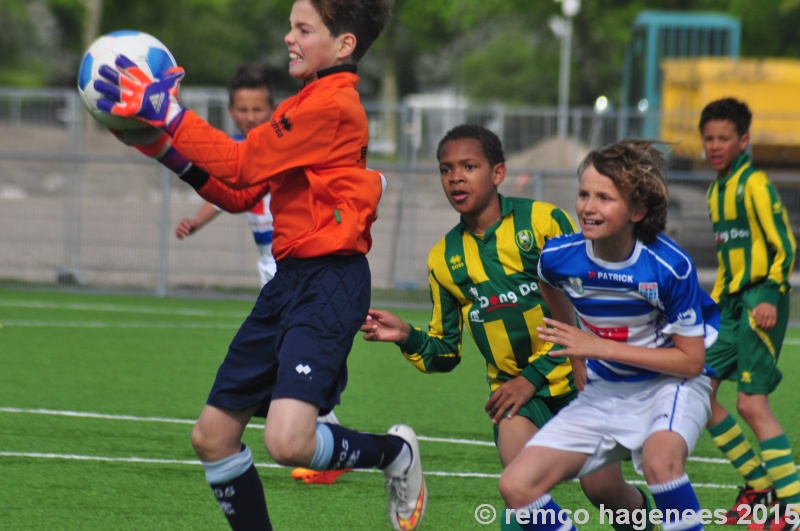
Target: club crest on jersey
<point>524,240</point>
<point>649,290</point>
<point>456,262</point>
<point>576,284</point>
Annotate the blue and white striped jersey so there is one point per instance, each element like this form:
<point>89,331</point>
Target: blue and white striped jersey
<point>644,300</point>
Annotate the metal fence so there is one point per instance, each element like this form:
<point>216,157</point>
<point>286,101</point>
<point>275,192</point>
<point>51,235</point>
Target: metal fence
<point>77,208</point>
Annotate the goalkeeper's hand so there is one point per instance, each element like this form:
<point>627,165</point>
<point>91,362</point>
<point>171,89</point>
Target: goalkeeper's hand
<point>129,92</point>
<point>156,144</point>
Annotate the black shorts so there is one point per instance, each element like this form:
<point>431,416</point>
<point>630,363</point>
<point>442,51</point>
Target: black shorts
<point>295,342</point>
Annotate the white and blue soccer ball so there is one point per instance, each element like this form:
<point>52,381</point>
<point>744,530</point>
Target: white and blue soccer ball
<point>146,51</point>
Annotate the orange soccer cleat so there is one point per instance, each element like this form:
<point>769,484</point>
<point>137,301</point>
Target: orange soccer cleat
<point>318,477</point>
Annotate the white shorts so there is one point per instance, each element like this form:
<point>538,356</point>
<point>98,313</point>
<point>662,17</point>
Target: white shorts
<point>610,421</point>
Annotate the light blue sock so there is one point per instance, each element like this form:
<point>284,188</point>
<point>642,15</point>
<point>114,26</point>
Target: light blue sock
<point>324,451</point>
<point>229,468</point>
<point>238,490</point>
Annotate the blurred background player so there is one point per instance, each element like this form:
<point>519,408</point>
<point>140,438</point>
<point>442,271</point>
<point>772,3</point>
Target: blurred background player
<point>497,244</point>
<point>756,254</point>
<point>251,102</point>
<point>288,361</point>
<point>644,327</point>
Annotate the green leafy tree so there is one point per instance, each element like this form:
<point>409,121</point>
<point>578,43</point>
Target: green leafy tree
<point>209,38</point>
<point>486,49</point>
<point>36,38</point>
<point>510,67</point>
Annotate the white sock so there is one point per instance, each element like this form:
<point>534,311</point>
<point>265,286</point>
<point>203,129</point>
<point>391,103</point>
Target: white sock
<point>330,418</point>
<point>401,463</point>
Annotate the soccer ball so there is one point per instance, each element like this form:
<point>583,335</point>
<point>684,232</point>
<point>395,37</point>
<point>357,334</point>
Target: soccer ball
<point>146,51</point>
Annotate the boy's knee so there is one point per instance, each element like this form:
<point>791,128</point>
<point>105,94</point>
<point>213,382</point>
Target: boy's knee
<point>506,488</point>
<point>199,441</point>
<point>513,490</point>
<point>662,469</point>
<point>750,408</point>
<point>213,446</point>
<point>204,445</point>
<point>289,449</point>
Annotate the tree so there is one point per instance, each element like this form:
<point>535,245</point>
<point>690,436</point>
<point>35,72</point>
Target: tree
<point>209,38</point>
<point>486,49</point>
<point>37,41</point>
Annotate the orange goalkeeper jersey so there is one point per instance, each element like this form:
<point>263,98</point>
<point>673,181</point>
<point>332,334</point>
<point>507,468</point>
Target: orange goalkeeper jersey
<point>311,157</point>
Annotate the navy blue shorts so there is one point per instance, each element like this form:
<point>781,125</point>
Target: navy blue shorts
<point>295,342</point>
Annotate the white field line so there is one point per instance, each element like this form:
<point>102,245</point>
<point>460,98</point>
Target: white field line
<point>198,313</point>
<point>90,415</point>
<point>150,460</point>
<point>162,325</point>
<point>103,324</point>
<point>115,308</point>
<point>85,414</point>
<point>38,304</point>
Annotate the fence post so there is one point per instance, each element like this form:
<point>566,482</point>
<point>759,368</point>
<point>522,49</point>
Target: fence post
<point>70,271</point>
<point>163,233</point>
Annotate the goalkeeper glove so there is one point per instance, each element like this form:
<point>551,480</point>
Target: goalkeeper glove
<point>156,144</point>
<point>129,92</point>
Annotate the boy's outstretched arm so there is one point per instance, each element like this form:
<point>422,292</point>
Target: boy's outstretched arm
<point>436,351</point>
<point>382,325</point>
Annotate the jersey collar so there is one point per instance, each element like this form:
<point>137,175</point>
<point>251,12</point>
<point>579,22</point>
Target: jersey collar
<point>337,69</point>
<point>738,164</point>
<point>506,208</point>
<point>340,75</point>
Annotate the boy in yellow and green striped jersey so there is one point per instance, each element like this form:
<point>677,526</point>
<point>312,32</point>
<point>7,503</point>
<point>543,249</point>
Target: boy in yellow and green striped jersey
<point>755,254</point>
<point>483,276</point>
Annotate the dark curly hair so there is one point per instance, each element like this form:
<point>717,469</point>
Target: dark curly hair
<point>728,109</point>
<point>363,18</point>
<point>637,169</point>
<point>490,144</point>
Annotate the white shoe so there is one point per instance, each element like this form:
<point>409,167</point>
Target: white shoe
<point>406,488</point>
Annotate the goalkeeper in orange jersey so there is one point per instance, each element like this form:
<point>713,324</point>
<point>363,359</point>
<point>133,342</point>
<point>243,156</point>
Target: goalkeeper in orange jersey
<point>288,360</point>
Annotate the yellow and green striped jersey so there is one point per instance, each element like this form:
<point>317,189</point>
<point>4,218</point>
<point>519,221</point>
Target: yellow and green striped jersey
<point>490,284</point>
<point>755,244</point>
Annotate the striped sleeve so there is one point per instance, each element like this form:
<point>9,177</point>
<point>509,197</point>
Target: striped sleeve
<point>774,222</point>
<point>438,350</point>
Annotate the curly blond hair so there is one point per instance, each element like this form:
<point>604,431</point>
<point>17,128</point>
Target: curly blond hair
<point>636,168</point>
